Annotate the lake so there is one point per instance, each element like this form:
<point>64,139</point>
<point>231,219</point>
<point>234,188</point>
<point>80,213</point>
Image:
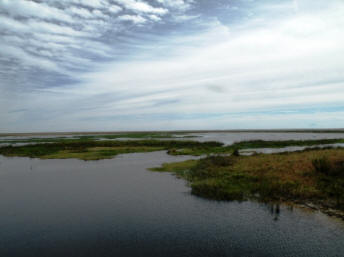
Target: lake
<point>118,208</point>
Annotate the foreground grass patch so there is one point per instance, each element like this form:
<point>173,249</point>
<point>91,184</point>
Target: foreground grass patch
<point>315,176</point>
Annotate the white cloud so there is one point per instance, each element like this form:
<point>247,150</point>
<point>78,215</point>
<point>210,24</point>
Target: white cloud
<point>272,68</point>
<point>178,4</point>
<point>87,3</point>
<point>64,39</point>
<point>94,3</point>
<point>53,28</point>
<point>153,17</point>
<point>30,26</point>
<point>141,7</point>
<point>183,18</point>
<point>38,36</point>
<point>32,9</point>
<point>82,12</point>
<point>98,14</point>
<point>29,60</point>
<point>8,24</point>
<point>114,9</point>
<point>137,19</point>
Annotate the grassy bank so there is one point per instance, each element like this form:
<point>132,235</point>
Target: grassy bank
<point>312,176</point>
<point>87,148</point>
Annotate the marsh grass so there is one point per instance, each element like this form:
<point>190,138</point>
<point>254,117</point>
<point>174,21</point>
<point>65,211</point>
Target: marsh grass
<point>132,135</point>
<point>79,147</point>
<point>296,176</point>
<point>98,153</point>
<point>96,150</point>
<point>285,143</point>
<point>331,178</point>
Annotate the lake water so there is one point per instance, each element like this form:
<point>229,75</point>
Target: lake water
<point>118,208</point>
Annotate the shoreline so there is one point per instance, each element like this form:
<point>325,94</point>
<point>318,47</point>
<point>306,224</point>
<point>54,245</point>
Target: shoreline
<point>313,178</point>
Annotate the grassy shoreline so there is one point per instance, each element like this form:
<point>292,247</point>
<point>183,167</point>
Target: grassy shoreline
<point>86,148</point>
<point>314,178</point>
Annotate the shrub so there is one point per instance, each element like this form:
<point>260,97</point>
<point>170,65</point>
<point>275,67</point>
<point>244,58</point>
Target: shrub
<point>322,165</point>
<point>210,166</point>
<point>236,152</point>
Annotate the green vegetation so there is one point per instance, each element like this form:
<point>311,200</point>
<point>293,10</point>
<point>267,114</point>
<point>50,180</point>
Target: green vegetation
<point>234,148</point>
<point>180,169</point>
<point>285,143</point>
<point>132,135</point>
<point>170,135</point>
<point>312,176</point>
<point>39,140</point>
<point>95,150</point>
<point>87,148</point>
<point>98,153</point>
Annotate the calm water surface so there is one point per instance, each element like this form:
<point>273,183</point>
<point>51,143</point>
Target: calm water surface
<point>118,208</point>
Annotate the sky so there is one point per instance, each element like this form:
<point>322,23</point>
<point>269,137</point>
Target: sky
<point>134,65</point>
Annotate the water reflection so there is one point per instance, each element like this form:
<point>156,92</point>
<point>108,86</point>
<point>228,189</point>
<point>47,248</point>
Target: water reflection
<point>274,210</point>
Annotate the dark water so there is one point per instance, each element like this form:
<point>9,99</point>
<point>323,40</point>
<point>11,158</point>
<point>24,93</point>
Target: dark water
<point>118,208</point>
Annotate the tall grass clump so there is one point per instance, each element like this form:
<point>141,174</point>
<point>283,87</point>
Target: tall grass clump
<point>331,178</point>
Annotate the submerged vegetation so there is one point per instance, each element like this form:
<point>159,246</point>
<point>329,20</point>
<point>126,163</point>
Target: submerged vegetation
<point>311,176</point>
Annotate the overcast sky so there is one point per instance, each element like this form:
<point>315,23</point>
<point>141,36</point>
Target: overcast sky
<point>95,65</point>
